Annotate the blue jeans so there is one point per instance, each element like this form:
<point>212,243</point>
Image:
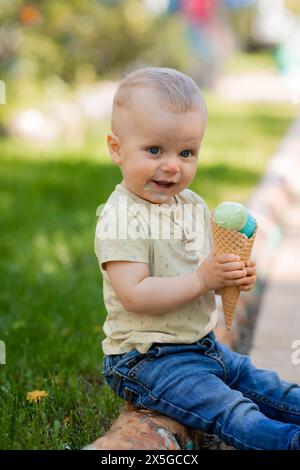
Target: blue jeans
<point>207,386</point>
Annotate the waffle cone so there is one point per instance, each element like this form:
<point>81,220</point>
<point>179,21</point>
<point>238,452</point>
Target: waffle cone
<point>230,241</point>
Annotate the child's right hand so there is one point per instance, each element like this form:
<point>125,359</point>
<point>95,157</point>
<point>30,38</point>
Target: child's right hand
<point>218,271</point>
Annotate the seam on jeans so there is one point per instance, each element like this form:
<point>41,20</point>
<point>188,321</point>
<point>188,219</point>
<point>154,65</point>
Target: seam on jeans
<point>111,365</point>
<point>224,369</point>
<point>269,401</point>
<point>238,370</point>
<point>129,379</point>
<point>295,441</point>
<point>140,365</point>
<point>146,389</point>
<point>123,356</point>
<point>218,359</point>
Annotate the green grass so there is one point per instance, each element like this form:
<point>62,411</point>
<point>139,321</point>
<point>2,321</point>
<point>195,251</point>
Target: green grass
<point>51,307</point>
<point>243,62</point>
<point>239,141</point>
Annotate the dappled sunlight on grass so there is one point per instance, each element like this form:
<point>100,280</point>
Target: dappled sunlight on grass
<point>244,135</point>
<point>216,183</point>
<point>94,149</point>
<point>243,62</point>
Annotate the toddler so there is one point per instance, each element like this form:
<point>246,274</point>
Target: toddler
<point>160,276</point>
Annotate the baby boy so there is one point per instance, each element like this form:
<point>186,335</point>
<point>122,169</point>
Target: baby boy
<point>160,277</point>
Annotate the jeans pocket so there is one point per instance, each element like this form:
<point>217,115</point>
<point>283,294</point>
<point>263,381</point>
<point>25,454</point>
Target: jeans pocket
<point>111,361</point>
<point>135,366</point>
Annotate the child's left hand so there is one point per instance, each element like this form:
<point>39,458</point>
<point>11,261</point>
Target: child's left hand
<point>250,278</point>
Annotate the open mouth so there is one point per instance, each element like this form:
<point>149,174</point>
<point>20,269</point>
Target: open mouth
<point>163,184</point>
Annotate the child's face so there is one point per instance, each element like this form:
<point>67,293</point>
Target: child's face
<point>155,144</point>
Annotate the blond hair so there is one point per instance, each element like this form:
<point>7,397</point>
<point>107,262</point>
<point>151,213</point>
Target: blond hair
<point>179,91</point>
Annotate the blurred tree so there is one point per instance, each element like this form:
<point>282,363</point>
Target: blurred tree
<point>97,39</point>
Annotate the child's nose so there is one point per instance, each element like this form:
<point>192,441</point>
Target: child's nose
<point>171,165</point>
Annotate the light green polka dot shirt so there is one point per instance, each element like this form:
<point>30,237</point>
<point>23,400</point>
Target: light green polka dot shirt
<point>173,240</point>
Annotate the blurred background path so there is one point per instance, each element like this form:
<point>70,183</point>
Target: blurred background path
<point>276,341</point>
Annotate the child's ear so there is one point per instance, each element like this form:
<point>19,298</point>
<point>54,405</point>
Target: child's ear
<point>113,143</point>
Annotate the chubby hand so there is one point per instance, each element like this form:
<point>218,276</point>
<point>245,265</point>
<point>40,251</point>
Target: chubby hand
<point>250,279</point>
<point>219,271</point>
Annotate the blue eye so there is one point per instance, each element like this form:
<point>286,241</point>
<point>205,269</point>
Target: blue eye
<point>185,153</point>
<point>153,150</point>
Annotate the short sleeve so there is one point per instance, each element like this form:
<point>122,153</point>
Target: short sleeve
<point>122,234</point>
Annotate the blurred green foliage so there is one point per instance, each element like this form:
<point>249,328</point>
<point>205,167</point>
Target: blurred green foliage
<point>81,41</point>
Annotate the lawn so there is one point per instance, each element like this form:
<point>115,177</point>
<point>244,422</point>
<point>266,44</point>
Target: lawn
<point>51,307</point>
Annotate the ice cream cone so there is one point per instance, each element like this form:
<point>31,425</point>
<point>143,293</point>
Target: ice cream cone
<point>230,241</point>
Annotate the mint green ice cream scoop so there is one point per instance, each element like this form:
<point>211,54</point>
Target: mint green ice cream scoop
<point>230,215</point>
